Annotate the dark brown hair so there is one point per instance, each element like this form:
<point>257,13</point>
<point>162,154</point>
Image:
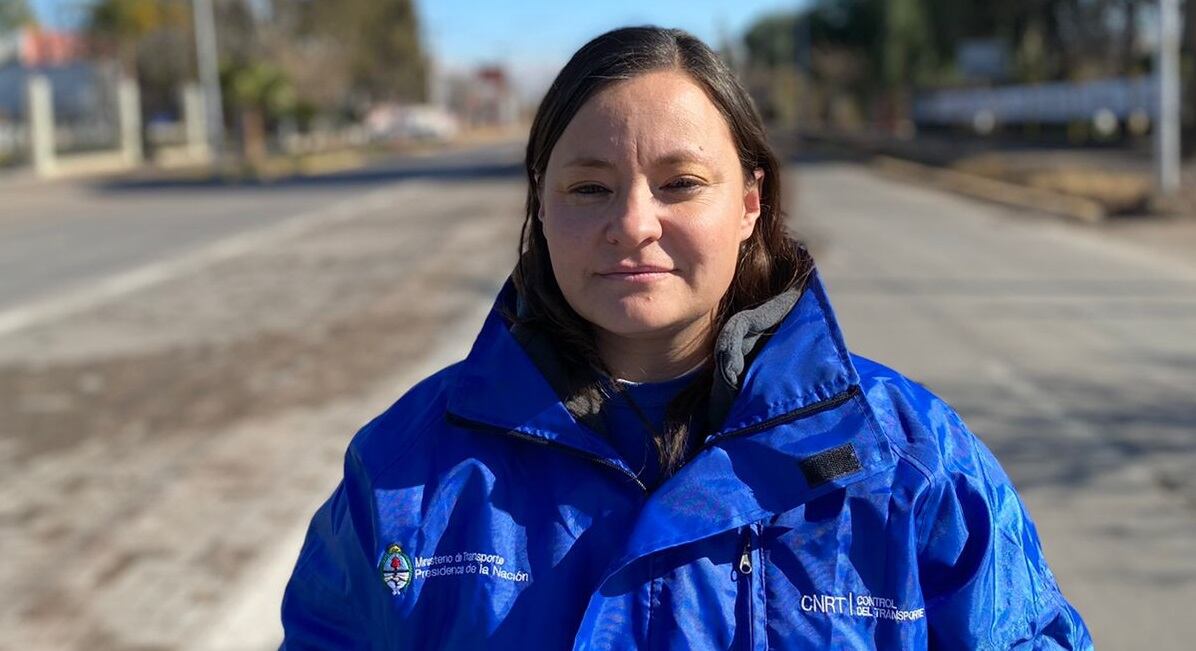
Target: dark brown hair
<point>769,261</point>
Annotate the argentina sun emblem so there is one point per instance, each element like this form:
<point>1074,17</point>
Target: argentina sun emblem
<point>395,568</point>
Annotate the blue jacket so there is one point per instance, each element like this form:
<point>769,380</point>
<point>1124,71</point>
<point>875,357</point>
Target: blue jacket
<point>838,506</point>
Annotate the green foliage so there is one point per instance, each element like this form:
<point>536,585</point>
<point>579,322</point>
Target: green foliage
<point>881,50</point>
<point>820,64</point>
<point>13,14</point>
<point>367,50</point>
<point>259,85</point>
<point>388,62</point>
<point>379,42</point>
<point>123,27</point>
<point>909,53</point>
<point>127,21</point>
<point>771,42</point>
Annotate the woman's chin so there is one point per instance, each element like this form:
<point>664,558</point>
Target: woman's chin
<point>640,314</point>
<point>637,323</point>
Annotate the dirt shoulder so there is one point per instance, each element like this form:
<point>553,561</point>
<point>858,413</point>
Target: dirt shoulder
<point>1089,183</point>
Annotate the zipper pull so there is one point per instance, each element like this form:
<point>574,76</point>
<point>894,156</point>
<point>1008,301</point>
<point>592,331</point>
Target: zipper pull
<point>745,559</point>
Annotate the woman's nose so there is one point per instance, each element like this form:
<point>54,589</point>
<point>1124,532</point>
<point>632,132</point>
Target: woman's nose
<point>634,220</point>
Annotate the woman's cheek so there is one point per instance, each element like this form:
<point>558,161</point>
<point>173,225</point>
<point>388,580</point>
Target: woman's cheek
<point>575,228</point>
<point>565,248</point>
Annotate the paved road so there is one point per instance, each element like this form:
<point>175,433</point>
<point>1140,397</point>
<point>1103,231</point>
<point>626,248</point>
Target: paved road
<point>55,236</point>
<point>175,435</point>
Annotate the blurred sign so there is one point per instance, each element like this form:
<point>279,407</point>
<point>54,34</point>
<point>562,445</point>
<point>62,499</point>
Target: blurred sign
<point>1059,102</point>
<point>983,58</point>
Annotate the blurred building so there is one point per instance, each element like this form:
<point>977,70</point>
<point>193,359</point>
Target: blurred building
<point>83,91</point>
<point>78,84</point>
<point>410,123</point>
<point>484,97</point>
<point>44,48</point>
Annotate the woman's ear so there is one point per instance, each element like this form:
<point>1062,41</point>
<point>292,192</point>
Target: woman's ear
<point>751,204</point>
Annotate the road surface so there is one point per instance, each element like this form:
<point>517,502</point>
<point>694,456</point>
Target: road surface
<point>56,236</point>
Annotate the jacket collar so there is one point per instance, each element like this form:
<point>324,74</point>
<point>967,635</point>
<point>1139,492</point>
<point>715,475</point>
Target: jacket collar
<point>500,387</point>
<point>797,397</point>
<point>794,396</point>
<point>802,361</point>
<point>781,356</point>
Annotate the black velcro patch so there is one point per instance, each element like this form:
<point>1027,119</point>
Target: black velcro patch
<point>830,464</point>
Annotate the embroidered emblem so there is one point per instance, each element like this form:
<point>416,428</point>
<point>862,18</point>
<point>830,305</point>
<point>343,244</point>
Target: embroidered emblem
<point>395,568</point>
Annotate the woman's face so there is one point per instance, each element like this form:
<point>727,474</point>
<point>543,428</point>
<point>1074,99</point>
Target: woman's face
<point>644,205</point>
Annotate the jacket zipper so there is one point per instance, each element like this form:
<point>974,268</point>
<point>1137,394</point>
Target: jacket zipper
<point>745,558</point>
<point>465,422</point>
<point>746,566</point>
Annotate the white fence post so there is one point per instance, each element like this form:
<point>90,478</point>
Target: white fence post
<point>129,110</point>
<point>194,121</point>
<point>1167,125</point>
<point>39,117</point>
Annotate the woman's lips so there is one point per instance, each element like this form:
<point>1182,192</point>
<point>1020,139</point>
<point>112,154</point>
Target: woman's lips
<point>637,274</point>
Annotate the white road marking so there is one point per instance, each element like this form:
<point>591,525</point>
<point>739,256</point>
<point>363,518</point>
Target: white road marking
<point>95,293</point>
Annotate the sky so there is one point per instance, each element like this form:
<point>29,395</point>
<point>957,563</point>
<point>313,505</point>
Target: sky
<point>532,38</point>
<point>535,38</point>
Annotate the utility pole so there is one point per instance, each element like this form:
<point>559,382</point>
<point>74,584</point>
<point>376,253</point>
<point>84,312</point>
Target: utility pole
<point>1167,125</point>
<point>209,74</point>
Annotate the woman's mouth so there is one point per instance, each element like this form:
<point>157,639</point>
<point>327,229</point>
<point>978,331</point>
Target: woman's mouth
<point>639,274</point>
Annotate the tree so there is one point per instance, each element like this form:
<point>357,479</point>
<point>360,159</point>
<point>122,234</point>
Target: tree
<point>13,15</point>
<point>909,55</point>
<point>390,61</point>
<point>380,43</point>
<point>150,42</point>
<point>818,64</point>
<point>120,26</point>
<point>262,92</point>
<point>882,49</point>
<point>771,42</point>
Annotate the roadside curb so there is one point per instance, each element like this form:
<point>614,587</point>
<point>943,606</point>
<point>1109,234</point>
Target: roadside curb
<point>275,168</point>
<point>1002,192</point>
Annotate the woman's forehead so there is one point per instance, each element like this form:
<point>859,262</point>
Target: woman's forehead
<point>658,117</point>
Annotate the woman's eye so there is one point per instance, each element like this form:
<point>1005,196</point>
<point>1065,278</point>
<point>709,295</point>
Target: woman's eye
<point>683,184</point>
<point>589,188</point>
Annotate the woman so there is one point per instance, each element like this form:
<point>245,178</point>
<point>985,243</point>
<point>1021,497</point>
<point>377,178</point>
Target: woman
<point>659,439</point>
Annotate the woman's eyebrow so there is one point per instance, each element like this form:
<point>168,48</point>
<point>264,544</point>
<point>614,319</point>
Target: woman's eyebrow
<point>584,161</point>
<point>670,158</point>
<point>682,156</point>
